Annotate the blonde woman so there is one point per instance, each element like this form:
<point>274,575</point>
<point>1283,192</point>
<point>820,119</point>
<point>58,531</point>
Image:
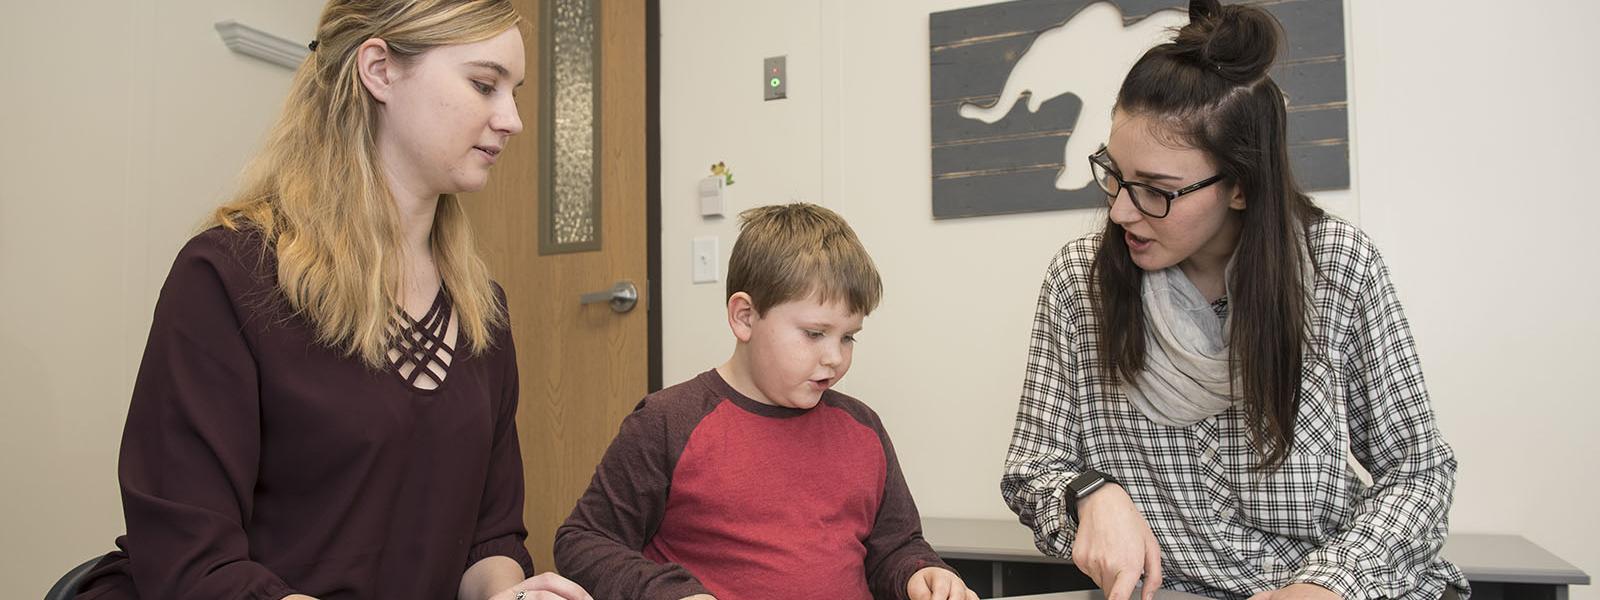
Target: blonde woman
<point>326,403</point>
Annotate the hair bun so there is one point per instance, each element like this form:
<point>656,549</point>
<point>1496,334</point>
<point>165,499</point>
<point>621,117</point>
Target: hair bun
<point>1239,43</point>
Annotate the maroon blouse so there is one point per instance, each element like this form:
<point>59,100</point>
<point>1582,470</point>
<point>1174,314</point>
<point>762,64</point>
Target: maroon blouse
<point>257,463</point>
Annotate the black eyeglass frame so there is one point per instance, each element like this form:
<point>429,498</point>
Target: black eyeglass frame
<point>1098,159</point>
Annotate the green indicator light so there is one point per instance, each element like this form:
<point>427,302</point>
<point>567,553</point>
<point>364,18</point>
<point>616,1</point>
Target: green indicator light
<point>776,82</point>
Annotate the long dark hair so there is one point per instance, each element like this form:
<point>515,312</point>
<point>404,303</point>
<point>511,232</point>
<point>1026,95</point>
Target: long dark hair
<point>1210,88</point>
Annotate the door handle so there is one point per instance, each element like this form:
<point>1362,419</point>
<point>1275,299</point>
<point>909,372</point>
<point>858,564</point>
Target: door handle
<point>622,297</point>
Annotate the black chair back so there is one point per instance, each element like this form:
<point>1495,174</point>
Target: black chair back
<point>66,588</point>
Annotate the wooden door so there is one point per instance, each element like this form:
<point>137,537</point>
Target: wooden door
<point>583,367</point>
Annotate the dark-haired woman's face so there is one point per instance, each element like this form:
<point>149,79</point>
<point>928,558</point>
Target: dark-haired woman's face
<point>1201,226</point>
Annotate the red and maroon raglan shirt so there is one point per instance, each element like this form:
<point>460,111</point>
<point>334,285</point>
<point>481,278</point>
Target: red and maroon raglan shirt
<point>707,491</point>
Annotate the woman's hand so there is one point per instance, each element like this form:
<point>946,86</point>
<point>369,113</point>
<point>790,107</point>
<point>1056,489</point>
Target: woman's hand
<point>938,583</point>
<point>1298,591</point>
<point>545,586</point>
<point>1114,544</point>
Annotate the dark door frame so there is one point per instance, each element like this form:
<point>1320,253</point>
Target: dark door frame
<point>652,160</point>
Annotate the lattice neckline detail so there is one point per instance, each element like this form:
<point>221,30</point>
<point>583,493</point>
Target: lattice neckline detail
<point>418,352</point>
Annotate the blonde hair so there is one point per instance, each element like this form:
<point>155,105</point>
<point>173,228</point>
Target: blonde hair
<point>793,251</point>
<point>319,198</point>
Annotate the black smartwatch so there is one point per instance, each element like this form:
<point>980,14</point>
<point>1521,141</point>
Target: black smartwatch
<point>1081,486</point>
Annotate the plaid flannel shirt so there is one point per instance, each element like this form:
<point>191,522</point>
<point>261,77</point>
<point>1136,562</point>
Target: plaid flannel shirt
<point>1226,530</point>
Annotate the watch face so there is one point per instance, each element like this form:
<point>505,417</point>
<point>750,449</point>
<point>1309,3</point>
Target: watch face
<point>1086,482</point>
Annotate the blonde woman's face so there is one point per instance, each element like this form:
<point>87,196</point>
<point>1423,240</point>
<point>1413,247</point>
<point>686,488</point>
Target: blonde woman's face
<point>449,113</point>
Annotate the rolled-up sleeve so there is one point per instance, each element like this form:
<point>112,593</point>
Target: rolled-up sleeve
<point>1401,521</point>
<point>1040,459</point>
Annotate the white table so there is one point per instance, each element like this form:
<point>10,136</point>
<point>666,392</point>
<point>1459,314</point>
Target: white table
<point>1098,595</point>
<point>1497,565</point>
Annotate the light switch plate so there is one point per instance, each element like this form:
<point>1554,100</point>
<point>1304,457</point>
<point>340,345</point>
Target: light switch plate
<point>705,259</point>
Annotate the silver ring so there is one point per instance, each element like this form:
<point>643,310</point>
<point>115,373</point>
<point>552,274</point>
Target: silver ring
<point>520,595</point>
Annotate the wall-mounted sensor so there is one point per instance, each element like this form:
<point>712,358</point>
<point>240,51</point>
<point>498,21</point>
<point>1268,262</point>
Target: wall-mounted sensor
<point>712,203</point>
<point>775,79</point>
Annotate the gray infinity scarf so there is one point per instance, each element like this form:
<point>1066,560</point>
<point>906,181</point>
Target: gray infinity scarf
<point>1185,378</point>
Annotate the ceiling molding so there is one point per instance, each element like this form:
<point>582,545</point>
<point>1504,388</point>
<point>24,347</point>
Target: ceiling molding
<point>250,41</point>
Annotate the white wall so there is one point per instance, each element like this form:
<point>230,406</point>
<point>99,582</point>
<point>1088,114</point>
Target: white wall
<point>711,110</point>
<point>1449,100</point>
<point>123,123</point>
<point>1473,124</point>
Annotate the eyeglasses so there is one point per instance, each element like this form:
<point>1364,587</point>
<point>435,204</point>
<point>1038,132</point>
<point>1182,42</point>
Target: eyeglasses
<point>1150,200</point>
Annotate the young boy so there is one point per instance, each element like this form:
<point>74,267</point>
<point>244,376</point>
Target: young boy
<point>755,480</point>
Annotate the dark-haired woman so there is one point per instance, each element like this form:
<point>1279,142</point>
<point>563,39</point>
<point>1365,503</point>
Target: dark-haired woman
<point>1222,393</point>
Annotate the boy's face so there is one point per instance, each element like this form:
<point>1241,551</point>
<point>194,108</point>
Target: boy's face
<point>797,350</point>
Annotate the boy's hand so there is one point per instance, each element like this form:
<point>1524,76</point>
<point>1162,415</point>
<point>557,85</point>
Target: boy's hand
<point>545,586</point>
<point>938,583</point>
<point>1114,545</point>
